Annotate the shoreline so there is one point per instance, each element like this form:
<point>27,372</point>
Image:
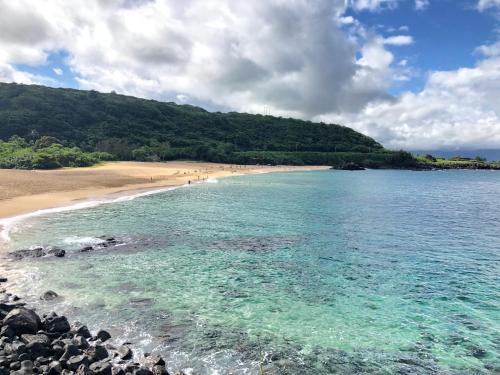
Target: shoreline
<point>74,188</point>
<point>35,343</point>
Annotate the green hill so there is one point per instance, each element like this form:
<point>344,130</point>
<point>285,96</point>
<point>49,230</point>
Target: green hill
<point>129,128</point>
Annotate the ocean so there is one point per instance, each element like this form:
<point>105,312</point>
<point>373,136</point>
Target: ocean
<point>324,272</point>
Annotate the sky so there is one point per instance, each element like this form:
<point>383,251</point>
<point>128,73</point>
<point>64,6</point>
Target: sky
<point>413,74</point>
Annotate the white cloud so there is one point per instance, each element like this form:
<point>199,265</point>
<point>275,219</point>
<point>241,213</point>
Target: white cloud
<point>399,40</point>
<point>421,4</point>
<point>372,5</point>
<point>456,108</point>
<point>294,58</point>
<point>58,71</point>
<point>485,4</point>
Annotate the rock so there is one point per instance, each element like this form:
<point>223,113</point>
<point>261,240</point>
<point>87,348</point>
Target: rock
<point>3,279</point>
<point>86,249</point>
<point>57,252</point>
<point>22,320</point>
<point>84,370</point>
<point>81,342</point>
<point>55,368</point>
<point>151,360</point>
<point>124,352</point>
<point>37,349</point>
<point>349,166</point>
<point>14,366</point>
<point>97,353</point>
<point>6,331</point>
<point>81,330</point>
<point>143,371</point>
<point>26,368</point>
<point>115,370</point>
<point>103,335</point>
<point>40,338</point>
<point>159,370</point>
<point>56,324</point>
<point>69,351</point>
<point>49,295</point>
<point>27,253</point>
<point>74,362</point>
<point>101,368</point>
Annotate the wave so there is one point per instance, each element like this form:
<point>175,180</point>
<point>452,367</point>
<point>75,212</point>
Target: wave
<point>10,224</point>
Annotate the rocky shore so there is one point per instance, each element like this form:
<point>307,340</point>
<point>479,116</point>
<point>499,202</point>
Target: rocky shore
<point>50,344</point>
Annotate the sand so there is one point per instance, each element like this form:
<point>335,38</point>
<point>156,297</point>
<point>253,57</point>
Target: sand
<point>22,192</point>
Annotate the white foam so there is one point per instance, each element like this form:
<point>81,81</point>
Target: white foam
<point>9,225</point>
<point>212,180</point>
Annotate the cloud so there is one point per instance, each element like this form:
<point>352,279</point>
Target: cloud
<point>294,58</point>
<point>485,4</point>
<point>399,40</point>
<point>456,108</point>
<point>372,5</point>
<point>58,71</point>
<point>422,4</point>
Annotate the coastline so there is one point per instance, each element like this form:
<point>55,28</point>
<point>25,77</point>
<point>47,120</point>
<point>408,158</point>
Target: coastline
<point>32,193</point>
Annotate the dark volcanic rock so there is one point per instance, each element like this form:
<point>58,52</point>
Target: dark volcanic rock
<point>143,371</point>
<point>151,360</point>
<point>159,370</point>
<point>103,335</point>
<point>81,330</point>
<point>37,252</point>
<point>49,295</point>
<point>56,324</point>
<point>3,279</point>
<point>101,368</point>
<point>97,353</point>
<point>124,352</point>
<point>57,252</point>
<point>21,320</point>
<point>76,361</point>
<point>349,166</point>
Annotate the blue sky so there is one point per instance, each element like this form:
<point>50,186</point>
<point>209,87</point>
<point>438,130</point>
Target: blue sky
<point>413,78</point>
<point>445,33</point>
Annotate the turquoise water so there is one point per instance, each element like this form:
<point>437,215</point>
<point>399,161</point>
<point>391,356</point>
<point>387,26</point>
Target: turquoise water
<point>375,272</point>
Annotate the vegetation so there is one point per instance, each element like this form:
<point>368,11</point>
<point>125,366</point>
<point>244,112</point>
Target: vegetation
<point>43,127</point>
<point>45,153</point>
<point>456,162</point>
<point>137,129</point>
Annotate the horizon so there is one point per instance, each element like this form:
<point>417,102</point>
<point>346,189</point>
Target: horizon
<point>404,72</point>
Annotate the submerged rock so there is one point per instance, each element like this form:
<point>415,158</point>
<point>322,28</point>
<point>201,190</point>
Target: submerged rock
<point>49,295</point>
<point>37,252</point>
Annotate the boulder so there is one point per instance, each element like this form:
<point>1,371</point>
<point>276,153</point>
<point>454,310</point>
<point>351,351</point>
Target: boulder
<point>49,295</point>
<point>69,351</point>
<point>37,349</point>
<point>57,252</point>
<point>159,370</point>
<point>56,324</point>
<point>151,360</point>
<point>81,330</point>
<point>76,361</point>
<point>103,335</point>
<point>3,279</point>
<point>55,368</point>
<point>124,352</point>
<point>40,338</point>
<point>143,371</point>
<point>101,368</point>
<point>97,353</point>
<point>21,320</point>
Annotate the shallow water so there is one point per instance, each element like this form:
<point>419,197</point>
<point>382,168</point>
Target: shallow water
<point>374,272</point>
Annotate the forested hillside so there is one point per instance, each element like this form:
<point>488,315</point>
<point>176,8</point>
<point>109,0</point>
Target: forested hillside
<point>129,128</point>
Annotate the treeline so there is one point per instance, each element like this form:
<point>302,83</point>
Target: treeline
<point>129,128</point>
<point>45,153</point>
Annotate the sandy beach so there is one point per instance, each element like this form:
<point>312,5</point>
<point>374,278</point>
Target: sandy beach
<point>23,191</point>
